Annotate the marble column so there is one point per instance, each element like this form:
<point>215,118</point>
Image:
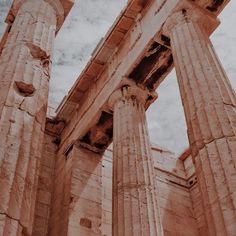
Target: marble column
<point>25,72</point>
<point>209,104</point>
<point>135,210</point>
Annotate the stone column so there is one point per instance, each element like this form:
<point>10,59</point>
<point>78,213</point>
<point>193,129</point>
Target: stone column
<point>25,72</point>
<point>210,109</point>
<point>135,210</point>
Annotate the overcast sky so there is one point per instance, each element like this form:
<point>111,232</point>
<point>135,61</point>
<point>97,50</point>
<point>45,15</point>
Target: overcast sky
<point>88,21</point>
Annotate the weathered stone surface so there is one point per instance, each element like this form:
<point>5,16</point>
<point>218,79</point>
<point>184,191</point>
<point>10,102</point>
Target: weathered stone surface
<point>24,92</point>
<point>209,103</point>
<point>68,191</point>
<point>77,198</point>
<point>45,188</point>
<point>135,210</point>
<point>179,203</point>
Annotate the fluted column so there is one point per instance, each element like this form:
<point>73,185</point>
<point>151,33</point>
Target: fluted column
<point>210,109</point>
<point>135,210</point>
<point>24,76</point>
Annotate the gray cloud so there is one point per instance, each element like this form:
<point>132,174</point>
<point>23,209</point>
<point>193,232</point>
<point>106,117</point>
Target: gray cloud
<point>88,22</point>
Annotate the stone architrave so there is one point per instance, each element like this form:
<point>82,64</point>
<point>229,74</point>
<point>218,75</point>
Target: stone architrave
<point>25,72</point>
<point>209,103</point>
<point>134,209</point>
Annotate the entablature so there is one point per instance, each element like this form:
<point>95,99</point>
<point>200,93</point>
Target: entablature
<point>135,48</point>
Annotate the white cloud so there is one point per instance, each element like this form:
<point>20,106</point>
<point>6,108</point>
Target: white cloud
<point>88,22</point>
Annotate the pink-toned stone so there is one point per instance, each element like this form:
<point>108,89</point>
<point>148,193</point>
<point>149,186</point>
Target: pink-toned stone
<point>77,198</point>
<point>179,202</point>
<point>25,69</point>
<point>135,210</point>
<point>70,191</point>
<point>209,103</point>
<point>45,188</point>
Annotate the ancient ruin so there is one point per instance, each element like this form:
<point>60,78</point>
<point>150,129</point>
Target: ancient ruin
<point>57,175</point>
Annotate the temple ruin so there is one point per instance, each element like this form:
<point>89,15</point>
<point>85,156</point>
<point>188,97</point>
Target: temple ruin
<point>57,175</point>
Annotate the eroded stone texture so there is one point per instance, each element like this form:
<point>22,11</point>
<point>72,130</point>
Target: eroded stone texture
<point>25,72</point>
<point>45,187</point>
<point>174,194</point>
<point>209,104</point>
<point>135,210</point>
<point>77,198</point>
<point>179,203</point>
<point>106,227</point>
<point>74,196</point>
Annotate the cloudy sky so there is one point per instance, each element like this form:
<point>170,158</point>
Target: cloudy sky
<point>88,21</point>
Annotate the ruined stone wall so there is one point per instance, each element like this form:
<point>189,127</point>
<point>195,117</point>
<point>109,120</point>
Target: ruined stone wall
<point>71,180</point>
<point>45,187</point>
<point>178,195</point>
<point>174,197</point>
<point>76,204</point>
<point>195,194</point>
<point>106,228</point>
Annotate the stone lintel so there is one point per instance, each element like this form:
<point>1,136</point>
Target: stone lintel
<point>185,154</point>
<point>92,97</point>
<point>90,148</point>
<point>100,134</point>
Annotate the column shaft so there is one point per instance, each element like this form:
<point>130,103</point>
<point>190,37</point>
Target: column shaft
<point>135,210</point>
<point>25,69</point>
<point>210,109</point>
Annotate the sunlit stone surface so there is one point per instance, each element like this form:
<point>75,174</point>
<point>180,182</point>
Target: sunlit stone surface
<point>58,174</point>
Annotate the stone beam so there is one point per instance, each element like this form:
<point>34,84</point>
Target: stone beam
<point>104,74</point>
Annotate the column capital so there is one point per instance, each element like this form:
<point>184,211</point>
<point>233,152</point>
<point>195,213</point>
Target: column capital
<point>58,8</point>
<point>61,7</point>
<point>134,189</point>
<point>189,12</point>
<point>130,91</point>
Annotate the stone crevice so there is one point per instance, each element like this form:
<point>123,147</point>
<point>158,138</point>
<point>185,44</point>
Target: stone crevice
<point>230,104</point>
<point>12,218</point>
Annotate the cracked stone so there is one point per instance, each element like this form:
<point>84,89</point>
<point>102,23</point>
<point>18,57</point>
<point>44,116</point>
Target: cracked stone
<point>24,89</point>
<point>38,53</point>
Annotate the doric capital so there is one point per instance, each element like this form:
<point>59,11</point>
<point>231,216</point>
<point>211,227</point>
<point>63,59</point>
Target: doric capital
<point>57,6</point>
<point>61,7</point>
<point>134,92</point>
<point>189,12</point>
